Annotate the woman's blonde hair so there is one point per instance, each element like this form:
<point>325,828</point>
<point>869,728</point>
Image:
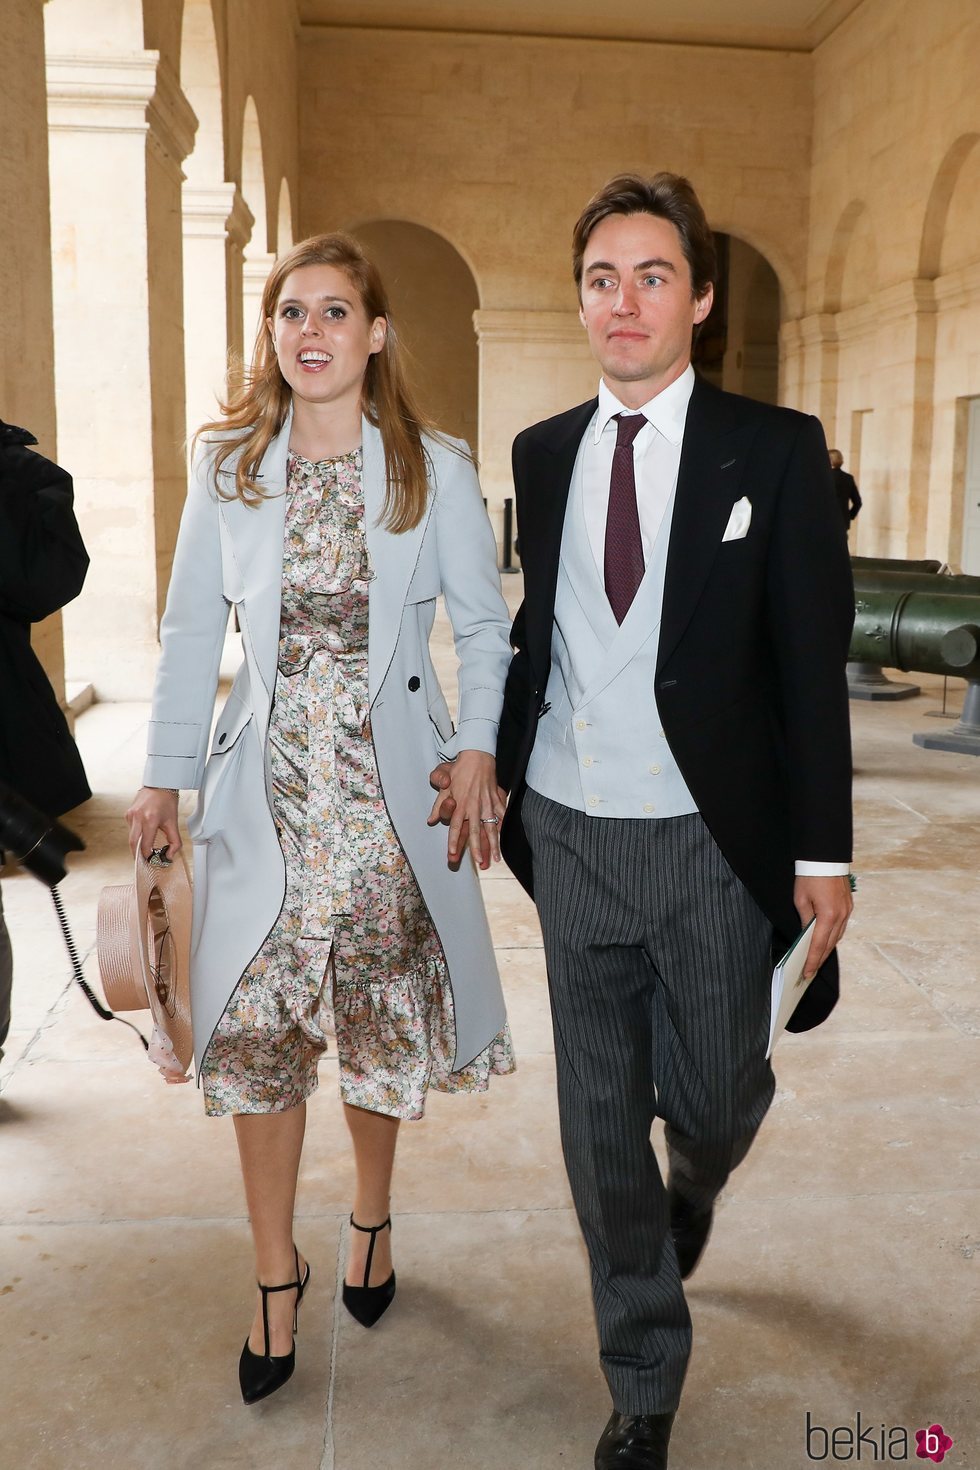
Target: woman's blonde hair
<point>256,409</point>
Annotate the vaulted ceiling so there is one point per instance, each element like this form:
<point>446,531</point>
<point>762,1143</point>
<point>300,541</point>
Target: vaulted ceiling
<point>793,25</point>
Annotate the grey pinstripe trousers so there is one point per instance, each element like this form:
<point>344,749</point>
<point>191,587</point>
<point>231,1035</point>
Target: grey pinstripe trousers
<point>659,969</point>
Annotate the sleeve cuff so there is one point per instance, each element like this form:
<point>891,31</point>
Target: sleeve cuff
<point>471,735</point>
<point>822,870</point>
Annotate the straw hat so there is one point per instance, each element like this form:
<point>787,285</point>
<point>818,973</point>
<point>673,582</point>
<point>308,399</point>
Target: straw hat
<point>143,939</point>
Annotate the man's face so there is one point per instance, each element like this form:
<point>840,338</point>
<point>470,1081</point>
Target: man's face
<point>637,304</point>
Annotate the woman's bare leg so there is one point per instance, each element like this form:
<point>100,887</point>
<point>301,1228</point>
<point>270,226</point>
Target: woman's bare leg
<point>374,1136</point>
<point>269,1146</point>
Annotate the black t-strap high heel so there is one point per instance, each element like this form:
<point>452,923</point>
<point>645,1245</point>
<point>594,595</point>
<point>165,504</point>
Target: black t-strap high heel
<point>367,1303</point>
<point>260,1374</point>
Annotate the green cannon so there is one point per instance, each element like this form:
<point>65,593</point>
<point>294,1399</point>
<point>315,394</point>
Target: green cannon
<point>927,622</point>
<point>866,679</point>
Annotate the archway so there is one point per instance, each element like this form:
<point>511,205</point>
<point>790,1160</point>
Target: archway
<point>216,225</point>
<point>934,251</point>
<point>433,297</point>
<point>258,255</point>
<point>738,346</point>
<point>284,227</point>
<point>852,261</point>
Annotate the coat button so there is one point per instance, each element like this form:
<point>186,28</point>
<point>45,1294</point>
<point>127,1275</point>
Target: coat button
<point>414,683</point>
<point>222,739</point>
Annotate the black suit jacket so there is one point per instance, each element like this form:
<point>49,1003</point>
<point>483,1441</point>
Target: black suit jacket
<point>751,683</point>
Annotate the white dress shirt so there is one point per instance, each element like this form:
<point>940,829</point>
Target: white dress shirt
<point>656,461</point>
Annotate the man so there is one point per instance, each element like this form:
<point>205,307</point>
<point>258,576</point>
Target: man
<point>675,743</point>
<point>845,488</point>
<point>42,566</point>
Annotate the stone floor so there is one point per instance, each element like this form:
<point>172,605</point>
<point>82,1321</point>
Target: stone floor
<point>841,1280</point>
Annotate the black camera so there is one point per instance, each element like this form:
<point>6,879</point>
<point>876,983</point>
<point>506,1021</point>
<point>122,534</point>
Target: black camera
<point>34,841</point>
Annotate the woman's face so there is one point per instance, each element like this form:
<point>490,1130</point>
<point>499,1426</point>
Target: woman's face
<point>322,335</point>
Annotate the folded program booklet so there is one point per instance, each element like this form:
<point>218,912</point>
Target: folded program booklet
<point>788,985</point>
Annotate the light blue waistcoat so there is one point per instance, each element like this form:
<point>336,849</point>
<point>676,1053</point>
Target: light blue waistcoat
<point>600,747</point>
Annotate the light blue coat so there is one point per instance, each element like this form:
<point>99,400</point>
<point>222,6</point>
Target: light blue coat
<point>228,553</point>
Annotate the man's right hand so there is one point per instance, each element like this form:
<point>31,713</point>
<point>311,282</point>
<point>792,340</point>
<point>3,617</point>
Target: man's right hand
<point>153,810</point>
<point>443,810</point>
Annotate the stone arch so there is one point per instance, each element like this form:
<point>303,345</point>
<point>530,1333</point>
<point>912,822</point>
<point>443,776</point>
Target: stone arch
<point>738,346</point>
<point>788,279</point>
<point>215,225</point>
<point>853,224</point>
<point>258,254</point>
<point>433,296</point>
<point>440,235</point>
<point>201,81</point>
<point>253,180</point>
<point>284,220</point>
<point>937,215</point>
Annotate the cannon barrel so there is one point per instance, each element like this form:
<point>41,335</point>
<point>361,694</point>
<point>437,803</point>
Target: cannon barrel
<point>865,679</point>
<point>932,632</point>
<point>873,580</point>
<point>894,564</point>
<point>921,621</point>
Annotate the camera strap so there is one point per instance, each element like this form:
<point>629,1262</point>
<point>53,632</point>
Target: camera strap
<point>76,967</point>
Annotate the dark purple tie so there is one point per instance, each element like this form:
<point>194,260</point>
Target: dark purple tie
<point>623,565</point>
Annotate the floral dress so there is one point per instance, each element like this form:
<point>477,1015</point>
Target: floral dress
<point>354,951</point>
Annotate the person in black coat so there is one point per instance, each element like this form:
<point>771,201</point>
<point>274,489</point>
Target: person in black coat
<point>43,562</point>
<point>845,488</point>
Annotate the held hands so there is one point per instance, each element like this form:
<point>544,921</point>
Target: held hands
<point>468,794</point>
<point>830,900</point>
<point>153,810</point>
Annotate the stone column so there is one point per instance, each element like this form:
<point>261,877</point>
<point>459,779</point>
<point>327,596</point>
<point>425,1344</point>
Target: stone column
<point>817,337</point>
<point>217,226</point>
<point>791,365</point>
<point>895,333</point>
<point>255,273</point>
<point>532,364</point>
<point>27,332</point>
<point>120,128</point>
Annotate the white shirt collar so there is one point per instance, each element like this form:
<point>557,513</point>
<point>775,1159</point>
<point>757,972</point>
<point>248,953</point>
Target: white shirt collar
<point>666,411</point>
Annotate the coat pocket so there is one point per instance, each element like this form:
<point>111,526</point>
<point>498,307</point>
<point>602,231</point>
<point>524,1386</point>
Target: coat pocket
<point>223,760</point>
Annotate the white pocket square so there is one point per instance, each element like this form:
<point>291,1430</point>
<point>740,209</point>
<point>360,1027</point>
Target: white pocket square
<point>739,520</point>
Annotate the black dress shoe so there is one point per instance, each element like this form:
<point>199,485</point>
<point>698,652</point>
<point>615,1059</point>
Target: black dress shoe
<point>634,1442</point>
<point>690,1228</point>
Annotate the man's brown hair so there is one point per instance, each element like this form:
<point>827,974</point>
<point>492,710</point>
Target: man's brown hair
<point>667,196</point>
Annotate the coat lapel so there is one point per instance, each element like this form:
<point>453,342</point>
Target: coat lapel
<point>393,559</point>
<point>256,535</point>
<point>707,483</point>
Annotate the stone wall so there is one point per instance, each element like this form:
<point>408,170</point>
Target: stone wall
<point>496,143</point>
<point>885,351</point>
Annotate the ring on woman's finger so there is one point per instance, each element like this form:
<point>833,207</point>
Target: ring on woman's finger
<point>491,821</point>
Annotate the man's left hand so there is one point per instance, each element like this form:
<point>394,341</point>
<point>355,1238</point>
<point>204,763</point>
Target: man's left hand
<point>830,900</point>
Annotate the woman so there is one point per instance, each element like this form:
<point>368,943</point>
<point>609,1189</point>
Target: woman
<point>325,509</point>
